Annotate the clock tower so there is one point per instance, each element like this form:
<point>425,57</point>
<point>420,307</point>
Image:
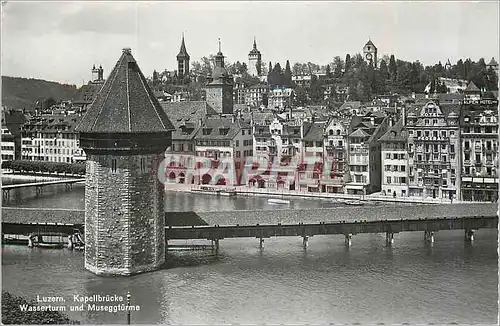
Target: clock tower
<point>370,53</point>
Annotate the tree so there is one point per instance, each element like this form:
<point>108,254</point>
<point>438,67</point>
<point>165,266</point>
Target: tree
<point>287,75</point>
<point>491,80</point>
<point>300,96</point>
<point>347,63</point>
<point>393,69</point>
<point>316,90</point>
<point>383,69</point>
<point>338,66</point>
<point>328,72</point>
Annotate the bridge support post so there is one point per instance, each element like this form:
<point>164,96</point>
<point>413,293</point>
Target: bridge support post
<point>216,241</point>
<point>261,243</point>
<point>469,235</point>
<point>30,240</point>
<point>347,239</point>
<point>429,236</point>
<point>70,241</point>
<point>305,239</point>
<point>389,238</point>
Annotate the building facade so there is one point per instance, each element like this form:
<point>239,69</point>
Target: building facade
<point>434,151</point>
<point>52,138</point>
<point>280,98</point>
<point>8,145</point>
<point>479,150</point>
<point>335,165</point>
<point>394,158</point>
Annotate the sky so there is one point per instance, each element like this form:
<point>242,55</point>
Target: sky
<point>60,41</point>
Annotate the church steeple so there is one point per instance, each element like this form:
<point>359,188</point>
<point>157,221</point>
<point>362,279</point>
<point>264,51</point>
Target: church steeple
<point>254,60</point>
<point>183,60</point>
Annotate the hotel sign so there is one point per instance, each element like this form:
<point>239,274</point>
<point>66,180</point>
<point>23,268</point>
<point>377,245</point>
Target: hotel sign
<point>480,102</point>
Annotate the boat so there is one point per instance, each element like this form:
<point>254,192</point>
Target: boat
<point>354,202</point>
<point>278,201</point>
<point>214,191</point>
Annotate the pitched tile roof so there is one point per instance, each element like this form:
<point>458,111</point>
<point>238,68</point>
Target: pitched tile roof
<point>471,87</point>
<point>359,133</point>
<point>125,104</point>
<point>220,128</point>
<point>396,133</point>
<point>186,117</point>
<point>315,133</point>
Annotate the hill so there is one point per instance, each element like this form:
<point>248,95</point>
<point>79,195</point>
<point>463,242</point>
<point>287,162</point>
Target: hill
<point>20,93</point>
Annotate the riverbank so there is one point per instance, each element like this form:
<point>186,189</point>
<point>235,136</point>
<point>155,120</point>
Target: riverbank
<point>282,193</point>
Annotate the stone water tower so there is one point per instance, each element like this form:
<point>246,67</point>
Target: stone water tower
<point>124,133</point>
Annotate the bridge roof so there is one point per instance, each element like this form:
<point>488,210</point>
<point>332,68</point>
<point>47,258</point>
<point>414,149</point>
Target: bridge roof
<point>252,217</point>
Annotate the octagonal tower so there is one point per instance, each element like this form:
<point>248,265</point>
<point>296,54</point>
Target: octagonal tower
<point>124,133</point>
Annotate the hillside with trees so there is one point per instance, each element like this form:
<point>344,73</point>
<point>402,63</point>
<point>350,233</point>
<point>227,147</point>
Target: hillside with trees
<point>23,93</point>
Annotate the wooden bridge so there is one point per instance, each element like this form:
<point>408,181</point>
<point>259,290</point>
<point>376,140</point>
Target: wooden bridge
<point>303,223</point>
<point>38,186</point>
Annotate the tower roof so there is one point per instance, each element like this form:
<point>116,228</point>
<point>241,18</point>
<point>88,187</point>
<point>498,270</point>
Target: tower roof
<point>254,49</point>
<point>125,104</point>
<point>493,62</point>
<point>183,52</point>
<point>370,43</point>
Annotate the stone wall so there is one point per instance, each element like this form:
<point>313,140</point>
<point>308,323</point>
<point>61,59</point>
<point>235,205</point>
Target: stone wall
<point>124,215</point>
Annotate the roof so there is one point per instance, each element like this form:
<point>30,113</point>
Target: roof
<point>472,87</point>
<point>125,104</point>
<point>396,133</point>
<point>359,133</point>
<point>493,62</point>
<point>220,128</point>
<point>185,116</point>
<point>53,123</point>
<point>370,43</point>
<point>315,133</point>
<point>183,52</point>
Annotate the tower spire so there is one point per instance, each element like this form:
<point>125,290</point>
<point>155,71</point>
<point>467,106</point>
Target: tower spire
<point>254,43</point>
<point>219,44</point>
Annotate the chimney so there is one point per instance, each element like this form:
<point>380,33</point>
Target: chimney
<point>403,114</point>
<point>200,121</point>
<point>232,118</point>
<point>372,120</point>
<point>391,122</point>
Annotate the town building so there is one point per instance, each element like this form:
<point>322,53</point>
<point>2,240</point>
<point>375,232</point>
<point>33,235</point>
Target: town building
<point>187,118</point>
<point>310,170</point>
<point>302,80</point>
<point>87,93</point>
<point>183,61</point>
<point>219,87</point>
<point>433,151</point>
<point>223,144</point>
<point>8,145</point>
<point>394,158</point>
<point>279,98</point>
<point>257,95</point>
<point>14,120</point>
<point>52,138</point>
<point>254,61</point>
<point>239,93</point>
<point>335,162</point>
<point>124,141</point>
<point>479,151</point>
<point>472,92</point>
<point>370,53</point>
<point>452,85</point>
<point>364,149</point>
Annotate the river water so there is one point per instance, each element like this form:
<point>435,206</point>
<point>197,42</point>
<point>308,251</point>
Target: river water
<point>413,282</point>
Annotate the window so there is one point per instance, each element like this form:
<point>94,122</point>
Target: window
<point>396,168</point>
<point>387,156</point>
<point>238,154</point>
<point>237,165</point>
<point>237,143</point>
<point>113,165</point>
<point>387,168</point>
<point>388,179</point>
<point>403,168</point>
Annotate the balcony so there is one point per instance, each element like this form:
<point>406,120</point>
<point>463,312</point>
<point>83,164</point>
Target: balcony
<point>330,148</point>
<point>432,139</point>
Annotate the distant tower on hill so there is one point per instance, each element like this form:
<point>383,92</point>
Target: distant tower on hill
<point>447,66</point>
<point>219,88</point>
<point>182,61</point>
<point>97,74</point>
<point>254,61</point>
<point>370,53</point>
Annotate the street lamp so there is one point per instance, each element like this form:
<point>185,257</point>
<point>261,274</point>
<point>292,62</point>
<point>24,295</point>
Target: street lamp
<point>128,310</point>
